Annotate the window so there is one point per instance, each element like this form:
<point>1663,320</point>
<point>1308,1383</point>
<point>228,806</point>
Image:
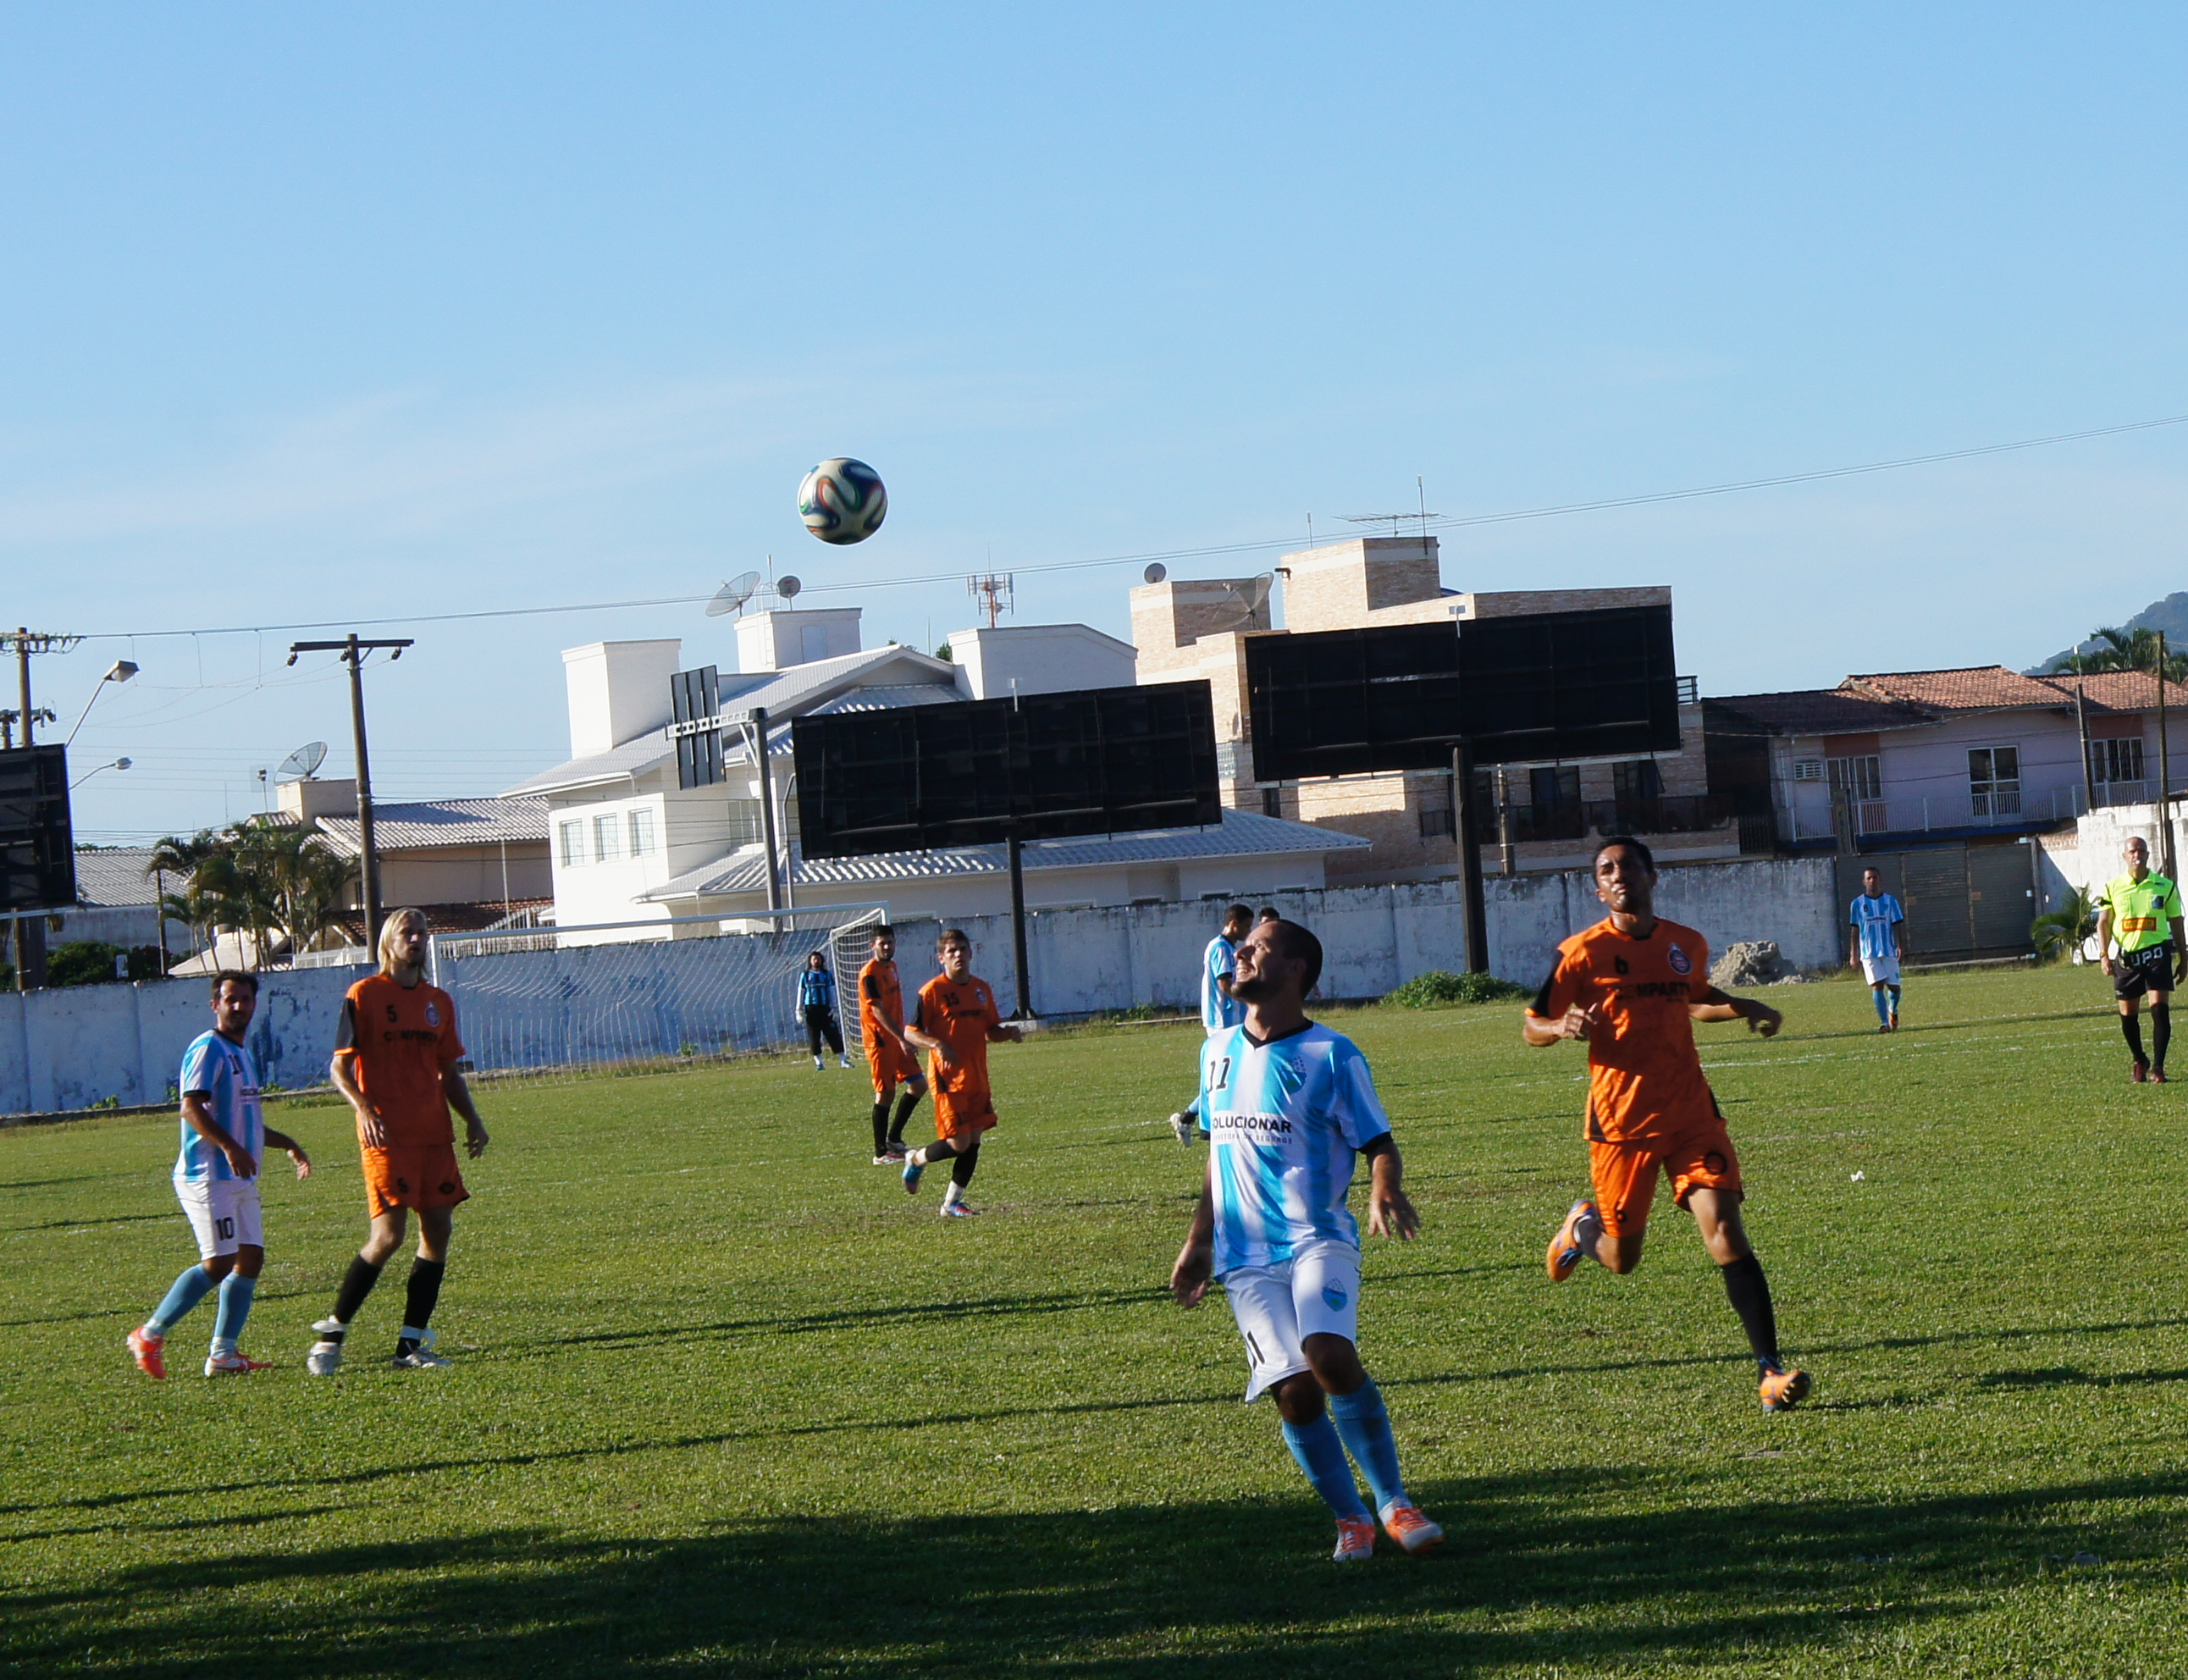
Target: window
<point>1635,780</point>
<point>1555,786</point>
<point>744,822</point>
<point>1859,778</point>
<point>1272,802</point>
<point>1436,823</point>
<point>1808,770</point>
<point>2116,760</point>
<point>604,836</point>
<point>572,836</point>
<point>641,832</point>
<point>1995,781</point>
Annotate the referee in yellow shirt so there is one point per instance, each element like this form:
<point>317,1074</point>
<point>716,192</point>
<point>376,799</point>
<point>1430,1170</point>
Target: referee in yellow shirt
<point>2139,930</point>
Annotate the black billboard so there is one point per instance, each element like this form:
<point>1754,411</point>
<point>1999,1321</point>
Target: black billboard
<point>37,847</point>
<point>1531,688</point>
<point>978,772</point>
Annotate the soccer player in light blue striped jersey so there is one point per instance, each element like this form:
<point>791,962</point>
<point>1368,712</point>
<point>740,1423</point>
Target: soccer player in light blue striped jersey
<point>1877,944</point>
<point>224,1134</point>
<point>1220,1010</point>
<point>1289,1105</point>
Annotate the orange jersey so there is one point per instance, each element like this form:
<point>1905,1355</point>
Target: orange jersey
<point>1645,1078</point>
<point>960,1014</point>
<point>881,1003</point>
<point>397,1039</point>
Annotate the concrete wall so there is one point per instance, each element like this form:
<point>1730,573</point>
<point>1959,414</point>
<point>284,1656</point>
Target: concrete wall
<point>73,1047</point>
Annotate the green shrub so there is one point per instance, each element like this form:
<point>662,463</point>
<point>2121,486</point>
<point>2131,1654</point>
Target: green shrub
<point>1439,990</point>
<point>82,962</point>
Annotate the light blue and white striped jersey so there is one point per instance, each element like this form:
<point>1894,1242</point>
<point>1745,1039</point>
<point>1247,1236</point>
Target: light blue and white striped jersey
<point>1284,1121</point>
<point>816,989</point>
<point>1874,919</point>
<point>1218,1012</point>
<point>222,1072</point>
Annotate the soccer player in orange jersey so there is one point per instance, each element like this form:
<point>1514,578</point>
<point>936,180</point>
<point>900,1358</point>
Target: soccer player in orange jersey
<point>890,1053</point>
<point>955,1021</point>
<point>396,1062</point>
<point>1631,988</point>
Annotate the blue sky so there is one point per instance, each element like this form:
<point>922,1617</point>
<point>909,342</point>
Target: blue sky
<point>323,312</point>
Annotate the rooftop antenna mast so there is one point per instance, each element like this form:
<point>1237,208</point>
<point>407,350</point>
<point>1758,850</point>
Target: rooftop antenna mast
<point>997,594</point>
<point>1397,520</point>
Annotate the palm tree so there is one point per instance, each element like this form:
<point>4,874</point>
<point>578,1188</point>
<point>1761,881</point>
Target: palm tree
<point>308,879</point>
<point>2123,650</point>
<point>2060,932</point>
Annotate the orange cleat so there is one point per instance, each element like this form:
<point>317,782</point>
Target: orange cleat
<point>1407,1525</point>
<point>1565,1248</point>
<point>1782,1391</point>
<point>146,1349</point>
<point>1356,1542</point>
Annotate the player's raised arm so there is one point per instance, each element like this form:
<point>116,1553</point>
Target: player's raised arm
<point>289,1147</point>
<point>1714,1005</point>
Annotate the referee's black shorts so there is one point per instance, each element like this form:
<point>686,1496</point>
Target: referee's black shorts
<point>2147,970</point>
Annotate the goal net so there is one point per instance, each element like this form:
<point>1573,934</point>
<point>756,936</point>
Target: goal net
<point>544,1004</point>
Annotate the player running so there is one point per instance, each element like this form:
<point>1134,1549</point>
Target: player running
<point>889,1054</point>
<point>1219,1011</point>
<point>2140,913</point>
<point>954,1021</point>
<point>1289,1105</point>
<point>396,1062</point>
<point>816,1005</point>
<point>224,1137</point>
<point>1878,946</point>
<point>1633,987</point>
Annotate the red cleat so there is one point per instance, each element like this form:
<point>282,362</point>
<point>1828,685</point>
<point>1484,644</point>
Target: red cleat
<point>2139,1073</point>
<point>147,1352</point>
<point>2157,1076</point>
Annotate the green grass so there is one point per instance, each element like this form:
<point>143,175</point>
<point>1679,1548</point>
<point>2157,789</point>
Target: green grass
<point>728,1402</point>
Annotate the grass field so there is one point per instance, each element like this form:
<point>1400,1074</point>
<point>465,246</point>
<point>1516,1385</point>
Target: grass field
<point>730,1402</point>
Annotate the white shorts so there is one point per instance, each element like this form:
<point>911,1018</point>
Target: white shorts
<point>222,1213</point>
<point>1316,1293</point>
<point>1880,971</point>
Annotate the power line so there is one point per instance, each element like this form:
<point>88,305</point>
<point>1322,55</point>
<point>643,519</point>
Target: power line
<point>1432,522</point>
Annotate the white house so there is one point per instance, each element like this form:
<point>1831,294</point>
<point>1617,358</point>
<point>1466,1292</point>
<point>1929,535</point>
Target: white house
<point>630,846</point>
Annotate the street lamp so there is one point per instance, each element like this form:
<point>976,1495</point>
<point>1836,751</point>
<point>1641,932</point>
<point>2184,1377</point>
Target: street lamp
<point>118,765</point>
<point>120,672</point>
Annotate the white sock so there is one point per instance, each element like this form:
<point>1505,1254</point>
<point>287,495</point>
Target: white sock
<point>954,1193</point>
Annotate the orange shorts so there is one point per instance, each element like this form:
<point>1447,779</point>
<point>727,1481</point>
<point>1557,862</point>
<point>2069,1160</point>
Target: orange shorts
<point>891,1067</point>
<point>1624,1174</point>
<point>411,1175</point>
<point>966,1112</point>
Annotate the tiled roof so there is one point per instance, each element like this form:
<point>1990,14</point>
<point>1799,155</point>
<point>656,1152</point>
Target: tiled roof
<point>632,757</point>
<point>2119,691</point>
<point>442,822</point>
<point>1242,834</point>
<point>116,875</point>
<point>1817,711</point>
<point>452,918</point>
<point>1976,688</point>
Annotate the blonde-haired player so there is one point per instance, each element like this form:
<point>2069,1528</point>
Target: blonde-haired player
<point>396,1062</point>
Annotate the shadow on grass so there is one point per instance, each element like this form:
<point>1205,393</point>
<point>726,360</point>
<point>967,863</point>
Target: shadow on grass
<point>1213,1590</point>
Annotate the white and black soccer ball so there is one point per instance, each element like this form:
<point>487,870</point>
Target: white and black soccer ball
<point>843,500</point>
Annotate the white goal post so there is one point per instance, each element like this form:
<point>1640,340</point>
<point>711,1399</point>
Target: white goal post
<point>538,1004</point>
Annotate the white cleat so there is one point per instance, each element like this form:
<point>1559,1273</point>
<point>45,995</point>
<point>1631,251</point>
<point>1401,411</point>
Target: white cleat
<point>1183,1126</point>
<point>422,1357</point>
<point>325,1357</point>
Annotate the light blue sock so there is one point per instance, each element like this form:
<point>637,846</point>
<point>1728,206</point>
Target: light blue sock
<point>188,1291</point>
<point>1365,1425</point>
<point>1321,1454</point>
<point>1883,1005</point>
<point>1894,990</point>
<point>235,1293</point>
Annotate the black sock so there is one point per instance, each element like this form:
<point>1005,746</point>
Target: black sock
<point>2131,1029</point>
<point>424,1291</point>
<point>961,1174</point>
<point>905,1104</point>
<point>881,1123</point>
<point>356,1283</point>
<point>1749,1292</point>
<point>2161,1033</point>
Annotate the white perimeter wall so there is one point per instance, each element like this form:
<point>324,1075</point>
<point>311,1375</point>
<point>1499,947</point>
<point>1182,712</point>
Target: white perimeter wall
<point>74,1047</point>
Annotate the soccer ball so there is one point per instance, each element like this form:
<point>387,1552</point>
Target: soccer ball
<point>842,501</point>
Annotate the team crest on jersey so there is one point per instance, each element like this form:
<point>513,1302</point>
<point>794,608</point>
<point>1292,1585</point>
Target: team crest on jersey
<point>1332,1298</point>
<point>1681,962</point>
<point>433,1014</point>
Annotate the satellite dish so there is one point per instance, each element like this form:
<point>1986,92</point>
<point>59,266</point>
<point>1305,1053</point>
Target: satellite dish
<point>300,764</point>
<point>1249,605</point>
<point>733,595</point>
<point>787,586</point>
<point>1156,572</point>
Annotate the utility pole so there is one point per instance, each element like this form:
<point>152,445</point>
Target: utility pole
<point>756,736</point>
<point>30,929</point>
<point>354,651</point>
<point>2164,772</point>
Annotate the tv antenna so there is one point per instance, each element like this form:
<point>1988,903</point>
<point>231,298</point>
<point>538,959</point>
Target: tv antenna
<point>732,596</point>
<point>1422,514</point>
<point>301,764</point>
<point>1249,602</point>
<point>1156,572</point>
<point>787,586</point>
<point>996,593</point>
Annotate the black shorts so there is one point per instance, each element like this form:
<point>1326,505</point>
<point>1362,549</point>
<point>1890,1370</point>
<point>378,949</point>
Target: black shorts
<point>2147,970</point>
